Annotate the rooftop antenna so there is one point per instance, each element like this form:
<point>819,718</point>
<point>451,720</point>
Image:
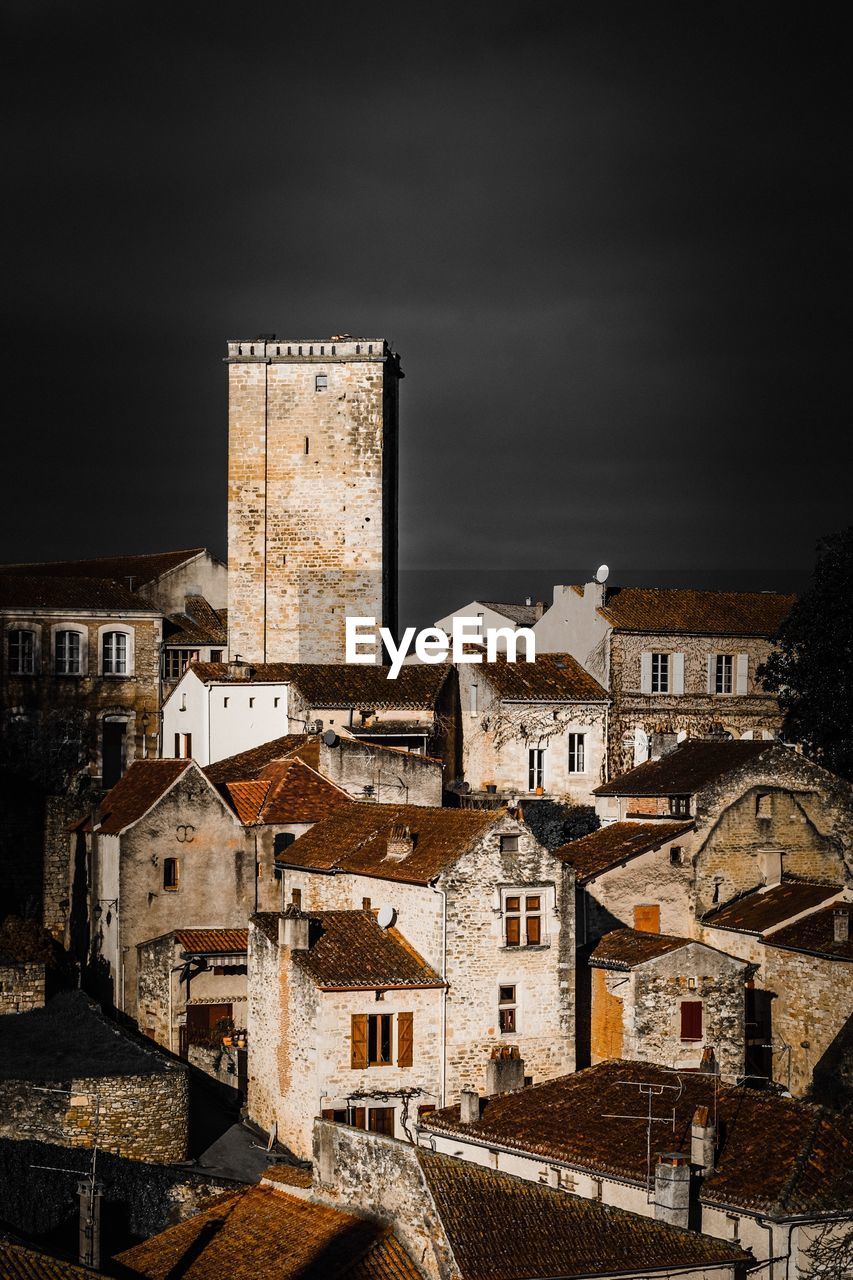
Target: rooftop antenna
<point>650,1090</point>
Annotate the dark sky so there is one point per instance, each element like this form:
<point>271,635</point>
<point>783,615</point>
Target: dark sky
<point>609,241</point>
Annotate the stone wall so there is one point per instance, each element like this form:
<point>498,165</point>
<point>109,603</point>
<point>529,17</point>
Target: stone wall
<point>142,1117</point>
<point>22,987</point>
<point>608,901</point>
<point>395,776</point>
<point>312,495</point>
<point>811,1011</point>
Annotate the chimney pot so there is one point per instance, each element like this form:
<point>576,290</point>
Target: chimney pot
<point>469,1106</point>
<point>703,1141</point>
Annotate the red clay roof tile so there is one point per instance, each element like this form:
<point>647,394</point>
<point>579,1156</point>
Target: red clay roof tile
<point>134,794</point>
<point>763,908</point>
<point>211,942</point>
<point>681,611</point>
<point>553,677</point>
<point>616,843</point>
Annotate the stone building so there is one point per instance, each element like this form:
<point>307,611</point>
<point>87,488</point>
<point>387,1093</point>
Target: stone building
<point>772,1175</point>
<point>656,998</point>
<point>495,615</point>
<point>676,663</point>
<point>22,984</point>
<point>312,494</point>
<point>344,1020</point>
<point>198,633</point>
<point>533,728</point>
<point>481,901</point>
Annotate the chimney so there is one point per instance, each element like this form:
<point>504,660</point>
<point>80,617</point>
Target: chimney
<point>293,929</point>
<point>672,1188</point>
<point>401,842</point>
<point>709,1064</point>
<point>703,1141</point>
<point>469,1106</point>
<point>841,924</point>
<point>593,592</point>
<point>239,670</point>
<point>540,609</point>
<point>504,1070</point>
<point>90,1196</point>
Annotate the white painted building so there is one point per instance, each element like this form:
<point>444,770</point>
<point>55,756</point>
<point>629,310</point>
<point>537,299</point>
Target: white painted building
<point>215,711</point>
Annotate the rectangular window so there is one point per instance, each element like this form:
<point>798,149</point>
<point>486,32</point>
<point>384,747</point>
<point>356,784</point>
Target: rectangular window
<point>509,844</point>
<point>405,1039</point>
<point>679,806</point>
<point>474,692</point>
<point>577,753</point>
<point>535,768</point>
<point>691,1020</point>
<point>22,649</point>
<point>67,657</point>
<point>216,655</point>
<point>381,1120</point>
<point>184,746</point>
<point>523,920</point>
<point>723,673</point>
<point>647,917</point>
<point>660,673</point>
<point>763,806</point>
<point>296,897</point>
<point>507,1010</point>
<point>170,874</point>
<point>115,653</point>
<point>176,661</point>
<point>321,381</point>
<point>676,855</point>
<point>379,1039</point>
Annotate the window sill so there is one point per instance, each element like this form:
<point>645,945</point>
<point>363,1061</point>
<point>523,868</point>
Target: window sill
<point>533,946</point>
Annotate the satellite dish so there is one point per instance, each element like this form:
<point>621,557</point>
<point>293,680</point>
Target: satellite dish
<point>386,917</point>
<point>601,573</point>
<point>330,738</point>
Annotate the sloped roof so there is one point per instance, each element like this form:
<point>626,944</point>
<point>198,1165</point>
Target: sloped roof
<point>285,791</point>
<point>523,615</point>
<point>553,677</point>
<point>500,1226</point>
<point>266,1233</point>
<point>246,798</point>
<point>692,765</point>
<point>22,592</point>
<point>568,1119</point>
<point>20,1263</point>
<point>626,948</point>
<point>199,624</point>
<point>341,684</point>
<point>689,612</point>
<point>763,908</point>
<point>355,839</point>
<point>211,942</point>
<point>616,843</point>
<point>142,568</point>
<point>350,951</point>
<point>249,764</point>
<point>816,934</point>
<point>136,791</point>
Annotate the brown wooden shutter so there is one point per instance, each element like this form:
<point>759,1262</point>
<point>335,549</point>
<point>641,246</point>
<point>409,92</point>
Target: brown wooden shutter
<point>405,1039</point>
<point>647,918</point>
<point>691,1020</point>
<point>358,1042</point>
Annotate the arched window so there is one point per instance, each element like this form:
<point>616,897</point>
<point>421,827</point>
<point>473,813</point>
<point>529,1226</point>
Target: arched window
<point>68,654</point>
<point>115,660</point>
<point>22,652</point>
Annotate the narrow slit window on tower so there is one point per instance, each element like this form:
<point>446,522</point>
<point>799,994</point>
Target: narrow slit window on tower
<point>307,446</point>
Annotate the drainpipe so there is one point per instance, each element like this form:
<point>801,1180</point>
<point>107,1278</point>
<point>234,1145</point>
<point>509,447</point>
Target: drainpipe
<point>443,1058</point>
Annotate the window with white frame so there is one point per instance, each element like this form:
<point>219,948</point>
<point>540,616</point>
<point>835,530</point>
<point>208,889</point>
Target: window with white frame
<point>22,652</point>
<point>577,753</point>
<point>723,673</point>
<point>507,1010</point>
<point>68,653</point>
<point>115,653</point>
<point>523,919</point>
<point>660,673</point>
<point>536,768</point>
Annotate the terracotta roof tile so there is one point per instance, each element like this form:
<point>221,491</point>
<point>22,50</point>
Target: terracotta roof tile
<point>289,1175</point>
<point>246,798</point>
<point>816,934</point>
<point>342,684</point>
<point>349,951</point>
<point>20,1263</point>
<point>553,677</point>
<point>134,794</point>
<point>248,764</point>
<point>355,839</point>
<point>616,843</point>
<point>142,568</point>
<point>567,1120</point>
<point>523,615</point>
<point>626,948</point>
<point>694,764</point>
<point>101,595</point>
<point>199,624</point>
<point>500,1226</point>
<point>680,611</point>
<point>211,942</point>
<point>764,908</point>
<point>265,1233</point>
<point>298,793</point>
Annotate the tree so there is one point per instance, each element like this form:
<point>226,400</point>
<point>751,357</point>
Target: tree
<point>811,668</point>
<point>554,824</point>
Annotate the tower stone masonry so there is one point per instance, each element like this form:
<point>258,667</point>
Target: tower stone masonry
<point>312,494</point>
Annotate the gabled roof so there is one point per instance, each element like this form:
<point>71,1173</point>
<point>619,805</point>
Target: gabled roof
<point>355,839</point>
<point>688,612</point>
<point>199,624</point>
<point>100,595</point>
<point>512,1229</point>
<point>349,951</point>
<point>141,569</point>
<point>553,677</point>
<point>523,615</point>
<point>20,1263</point>
<point>136,792</point>
<point>570,1120</point>
<point>266,1234</point>
<point>627,948</point>
<point>340,684</point>
<point>285,791</point>
<point>615,844</point>
<point>761,909</point>
<point>692,765</point>
<point>815,934</point>
<point>212,942</point>
<point>249,764</point>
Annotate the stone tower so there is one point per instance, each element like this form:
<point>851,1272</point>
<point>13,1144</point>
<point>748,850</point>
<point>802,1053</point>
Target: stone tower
<point>312,494</point>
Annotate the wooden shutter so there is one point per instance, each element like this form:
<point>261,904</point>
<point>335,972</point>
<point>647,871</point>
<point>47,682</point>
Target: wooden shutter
<point>405,1039</point>
<point>647,918</point>
<point>645,673</point>
<point>742,672</point>
<point>358,1041</point>
<point>712,672</point>
<point>678,673</point>
<point>691,1020</point>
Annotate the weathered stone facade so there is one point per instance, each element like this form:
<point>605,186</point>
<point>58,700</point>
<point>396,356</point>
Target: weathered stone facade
<point>22,986</point>
<point>312,494</point>
<point>812,1011</point>
<point>168,986</point>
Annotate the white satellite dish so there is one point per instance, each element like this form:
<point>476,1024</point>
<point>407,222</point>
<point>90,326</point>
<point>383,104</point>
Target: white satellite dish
<point>601,573</point>
<point>386,916</point>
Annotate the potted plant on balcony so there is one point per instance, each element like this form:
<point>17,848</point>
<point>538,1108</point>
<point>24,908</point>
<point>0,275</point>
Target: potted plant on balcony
<point>225,1030</point>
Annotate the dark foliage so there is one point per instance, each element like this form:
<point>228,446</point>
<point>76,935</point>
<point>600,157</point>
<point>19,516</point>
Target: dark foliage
<point>555,824</point>
<point>812,667</point>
